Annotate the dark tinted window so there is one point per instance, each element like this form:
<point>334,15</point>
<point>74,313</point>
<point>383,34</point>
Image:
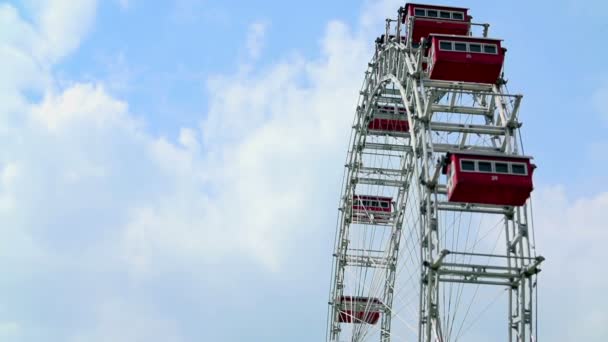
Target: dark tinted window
<point>457,15</point>
<point>467,165</point>
<point>484,166</point>
<point>502,167</point>
<point>366,203</point>
<point>445,15</point>
<point>475,47</point>
<point>419,12</point>
<point>445,45</point>
<point>375,204</point>
<point>384,204</point>
<point>431,13</point>
<point>460,46</point>
<point>489,48</point>
<point>518,169</point>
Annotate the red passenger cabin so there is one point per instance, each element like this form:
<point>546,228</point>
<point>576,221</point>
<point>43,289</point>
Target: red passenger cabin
<point>465,59</point>
<point>429,19</point>
<point>487,179</point>
<point>389,119</point>
<point>371,209</point>
<point>359,310</point>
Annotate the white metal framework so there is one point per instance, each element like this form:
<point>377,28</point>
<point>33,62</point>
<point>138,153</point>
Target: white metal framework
<point>440,271</point>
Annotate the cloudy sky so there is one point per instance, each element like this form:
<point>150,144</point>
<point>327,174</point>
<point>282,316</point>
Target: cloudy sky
<point>169,171</point>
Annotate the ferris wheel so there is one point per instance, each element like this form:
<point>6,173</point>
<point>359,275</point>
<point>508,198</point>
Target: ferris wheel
<point>434,240</point>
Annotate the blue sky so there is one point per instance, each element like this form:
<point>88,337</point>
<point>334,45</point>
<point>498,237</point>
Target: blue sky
<point>170,172</point>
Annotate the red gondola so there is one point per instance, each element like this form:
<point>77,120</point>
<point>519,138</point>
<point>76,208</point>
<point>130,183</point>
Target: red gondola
<point>465,59</point>
<point>389,119</point>
<point>389,125</point>
<point>436,19</point>
<point>359,310</point>
<point>367,209</point>
<point>487,179</point>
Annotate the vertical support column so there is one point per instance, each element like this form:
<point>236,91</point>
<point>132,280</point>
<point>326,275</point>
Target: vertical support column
<point>429,284</point>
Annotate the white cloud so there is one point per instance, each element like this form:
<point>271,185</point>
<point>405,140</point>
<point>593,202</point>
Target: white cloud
<point>8,174</point>
<point>267,140</point>
<point>266,143</point>
<point>570,234</point>
<point>21,66</point>
<point>27,50</point>
<point>63,24</point>
<point>121,321</point>
<point>80,103</point>
<point>57,28</point>
<point>274,142</point>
